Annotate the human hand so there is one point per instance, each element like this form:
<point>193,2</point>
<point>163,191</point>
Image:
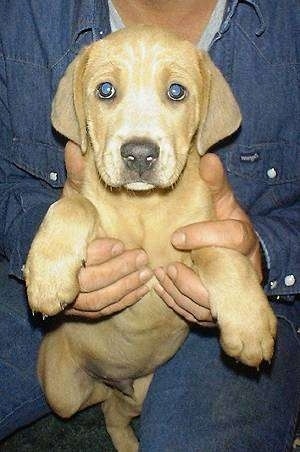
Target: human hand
<point>75,164</point>
<point>113,277</point>
<point>179,286</point>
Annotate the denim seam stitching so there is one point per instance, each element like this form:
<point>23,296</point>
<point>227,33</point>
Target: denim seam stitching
<point>279,316</point>
<point>30,63</point>
<point>289,64</point>
<point>20,406</point>
<point>61,58</point>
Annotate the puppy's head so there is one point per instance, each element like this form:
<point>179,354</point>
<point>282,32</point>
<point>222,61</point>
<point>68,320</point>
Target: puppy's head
<point>139,99</point>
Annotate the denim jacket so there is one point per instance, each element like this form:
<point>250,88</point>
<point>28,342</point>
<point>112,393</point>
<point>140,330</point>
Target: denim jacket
<point>258,50</point>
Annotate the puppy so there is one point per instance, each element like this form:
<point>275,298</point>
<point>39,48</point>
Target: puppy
<point>144,105</point>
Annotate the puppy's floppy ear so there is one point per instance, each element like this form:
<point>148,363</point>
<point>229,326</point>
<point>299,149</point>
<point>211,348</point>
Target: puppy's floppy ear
<point>220,113</point>
<point>68,115</point>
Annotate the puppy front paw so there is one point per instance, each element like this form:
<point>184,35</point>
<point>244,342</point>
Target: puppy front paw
<point>249,336</point>
<point>51,281</point>
<point>57,253</point>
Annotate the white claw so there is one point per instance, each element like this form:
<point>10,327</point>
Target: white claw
<point>32,312</point>
<point>63,305</point>
<point>44,316</point>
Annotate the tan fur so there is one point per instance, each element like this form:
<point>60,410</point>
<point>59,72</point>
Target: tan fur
<point>78,359</point>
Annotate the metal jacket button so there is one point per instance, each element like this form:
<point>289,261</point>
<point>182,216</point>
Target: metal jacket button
<point>53,176</point>
<point>289,280</point>
<point>271,173</point>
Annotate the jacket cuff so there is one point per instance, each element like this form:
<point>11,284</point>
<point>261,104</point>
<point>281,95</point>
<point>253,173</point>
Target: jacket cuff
<point>282,275</point>
<point>21,235</point>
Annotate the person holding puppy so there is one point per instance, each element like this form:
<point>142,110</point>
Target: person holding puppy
<point>213,403</point>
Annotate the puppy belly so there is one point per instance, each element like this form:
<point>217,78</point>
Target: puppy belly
<point>129,344</point>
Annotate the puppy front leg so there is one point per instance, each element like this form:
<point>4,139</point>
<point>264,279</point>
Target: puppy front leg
<point>57,253</point>
<point>238,303</point>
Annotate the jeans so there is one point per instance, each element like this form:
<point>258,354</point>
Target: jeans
<point>200,400</point>
<point>21,399</point>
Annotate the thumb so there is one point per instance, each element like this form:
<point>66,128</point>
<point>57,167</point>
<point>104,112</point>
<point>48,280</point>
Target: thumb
<point>74,162</point>
<point>212,172</point>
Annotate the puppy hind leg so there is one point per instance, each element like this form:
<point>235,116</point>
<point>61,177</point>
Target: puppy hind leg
<point>68,388</point>
<point>120,409</point>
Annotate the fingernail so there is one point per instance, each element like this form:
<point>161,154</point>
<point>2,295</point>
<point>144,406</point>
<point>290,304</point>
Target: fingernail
<point>117,249</point>
<point>141,259</point>
<point>172,271</point>
<point>178,238</point>
<point>145,274</point>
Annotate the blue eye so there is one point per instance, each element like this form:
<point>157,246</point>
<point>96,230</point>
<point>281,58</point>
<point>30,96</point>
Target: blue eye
<point>106,90</point>
<point>176,91</point>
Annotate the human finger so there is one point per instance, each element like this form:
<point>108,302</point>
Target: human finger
<point>233,234</point>
<point>183,303</point>
<point>212,172</point>
<point>95,277</point>
<point>103,249</point>
<point>74,162</point>
<point>113,293</point>
<point>129,299</point>
<point>188,283</point>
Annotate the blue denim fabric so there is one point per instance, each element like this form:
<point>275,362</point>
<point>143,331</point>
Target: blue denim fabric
<point>202,402</point>
<point>199,401</point>
<point>21,399</point>
<point>257,49</point>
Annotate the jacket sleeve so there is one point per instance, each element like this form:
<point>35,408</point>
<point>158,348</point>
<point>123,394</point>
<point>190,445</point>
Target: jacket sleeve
<point>279,234</point>
<point>24,199</point>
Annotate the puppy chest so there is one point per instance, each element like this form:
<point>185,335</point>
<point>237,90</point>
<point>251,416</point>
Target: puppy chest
<point>150,230</point>
<point>148,221</point>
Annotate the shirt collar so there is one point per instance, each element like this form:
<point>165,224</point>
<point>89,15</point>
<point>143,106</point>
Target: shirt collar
<point>94,15</point>
<point>232,8</point>
<point>90,15</point>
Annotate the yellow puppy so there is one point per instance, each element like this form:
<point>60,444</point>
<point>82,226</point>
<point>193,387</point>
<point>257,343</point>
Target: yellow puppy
<point>144,105</point>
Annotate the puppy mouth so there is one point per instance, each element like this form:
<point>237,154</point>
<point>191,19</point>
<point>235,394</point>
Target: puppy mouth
<point>139,186</point>
<point>141,179</point>
<point>139,182</point>
<point>131,180</point>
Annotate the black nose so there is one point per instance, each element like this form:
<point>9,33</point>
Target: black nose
<point>140,155</point>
